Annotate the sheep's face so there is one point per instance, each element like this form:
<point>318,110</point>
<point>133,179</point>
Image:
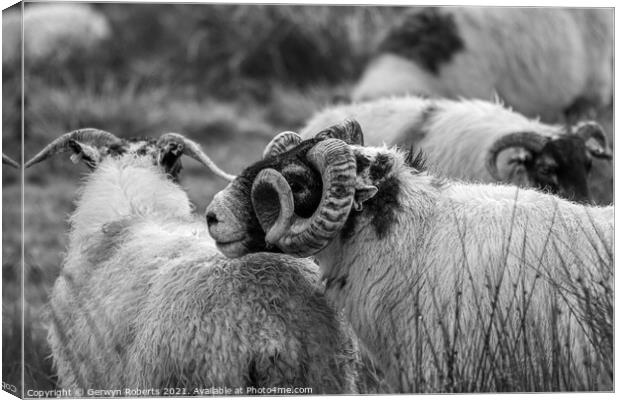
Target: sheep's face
<point>231,216</point>
<point>562,167</point>
<point>559,165</point>
<point>300,196</point>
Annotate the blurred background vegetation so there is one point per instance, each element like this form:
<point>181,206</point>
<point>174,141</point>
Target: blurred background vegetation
<point>228,76</point>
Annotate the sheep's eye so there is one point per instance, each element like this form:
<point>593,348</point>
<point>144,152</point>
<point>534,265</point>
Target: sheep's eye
<point>545,171</point>
<point>296,186</point>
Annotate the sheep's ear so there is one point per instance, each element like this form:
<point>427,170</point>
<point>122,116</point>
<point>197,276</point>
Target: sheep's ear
<point>363,193</point>
<point>171,146</point>
<point>86,153</point>
<point>169,155</point>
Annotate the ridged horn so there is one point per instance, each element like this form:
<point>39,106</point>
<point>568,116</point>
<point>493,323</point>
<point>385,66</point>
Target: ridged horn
<point>193,150</point>
<point>349,132</point>
<point>529,140</point>
<point>273,204</point>
<point>9,161</point>
<point>592,130</point>
<point>94,137</point>
<point>305,236</point>
<point>281,143</point>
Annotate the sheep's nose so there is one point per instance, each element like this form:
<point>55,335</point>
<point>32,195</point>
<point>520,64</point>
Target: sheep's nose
<point>211,219</point>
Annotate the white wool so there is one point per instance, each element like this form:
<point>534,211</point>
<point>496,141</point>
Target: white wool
<point>130,186</point>
<point>461,133</point>
<point>455,137</point>
<point>539,60</point>
<point>449,237</point>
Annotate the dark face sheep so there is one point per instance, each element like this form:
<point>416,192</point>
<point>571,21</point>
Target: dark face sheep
<point>406,256</point>
<point>559,165</point>
<point>300,194</point>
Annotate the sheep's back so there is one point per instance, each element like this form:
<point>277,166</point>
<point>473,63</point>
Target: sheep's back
<point>383,121</point>
<point>461,264</point>
<point>539,61</point>
<point>256,321</point>
<point>167,308</point>
<point>540,271</point>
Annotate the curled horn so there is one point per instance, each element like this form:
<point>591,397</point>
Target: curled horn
<point>9,161</point>
<point>305,236</point>
<point>281,143</point>
<point>267,183</point>
<point>592,130</point>
<point>92,136</point>
<point>349,131</point>
<point>193,150</point>
<point>528,140</point>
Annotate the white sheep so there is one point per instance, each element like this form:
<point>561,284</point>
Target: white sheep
<point>451,286</point>
<point>542,61</point>
<point>51,31</point>
<point>144,300</point>
<point>477,140</point>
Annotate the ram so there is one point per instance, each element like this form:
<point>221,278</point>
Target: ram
<point>482,141</point>
<point>450,285</point>
<point>545,62</point>
<point>144,300</point>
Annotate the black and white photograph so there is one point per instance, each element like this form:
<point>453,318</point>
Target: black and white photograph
<point>236,199</point>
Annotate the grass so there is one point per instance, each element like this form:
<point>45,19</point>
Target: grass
<point>229,77</point>
<point>522,327</point>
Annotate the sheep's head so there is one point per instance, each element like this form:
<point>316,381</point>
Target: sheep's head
<point>91,146</point>
<point>559,164</point>
<point>301,194</point>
